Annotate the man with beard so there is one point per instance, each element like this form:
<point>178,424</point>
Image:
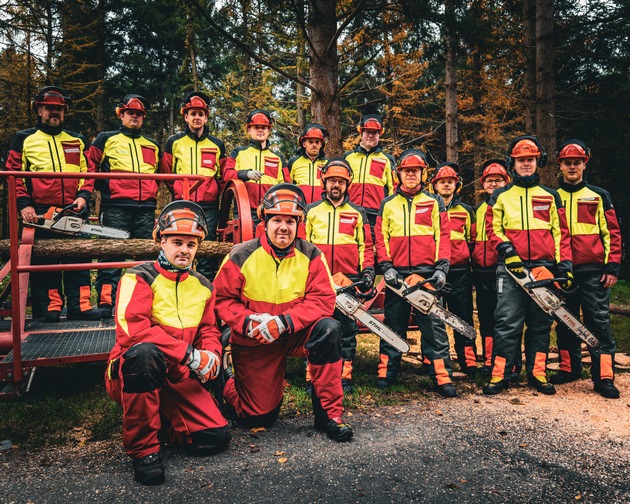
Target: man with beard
<point>305,167</point>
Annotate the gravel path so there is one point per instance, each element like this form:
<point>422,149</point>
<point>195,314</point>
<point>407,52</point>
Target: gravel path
<point>518,447</point>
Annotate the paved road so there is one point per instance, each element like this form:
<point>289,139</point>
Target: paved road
<point>474,449</point>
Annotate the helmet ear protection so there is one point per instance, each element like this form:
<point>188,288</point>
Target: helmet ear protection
<point>314,131</point>
<point>195,100</point>
<point>51,95</point>
<point>283,199</point>
<point>414,158</point>
<point>541,160</point>
<point>132,102</point>
<point>445,170</point>
<point>336,167</point>
<point>259,117</point>
<point>371,121</point>
<point>494,167</point>
<point>181,217</point>
<point>573,148</point>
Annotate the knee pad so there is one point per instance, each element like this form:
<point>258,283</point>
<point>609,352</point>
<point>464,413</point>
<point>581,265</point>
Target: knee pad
<point>144,368</point>
<point>324,343</point>
<point>209,441</point>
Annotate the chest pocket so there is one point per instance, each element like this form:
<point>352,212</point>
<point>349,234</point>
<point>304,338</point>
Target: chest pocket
<point>458,222</point>
<point>423,213</point>
<point>587,210</point>
<point>148,155</point>
<point>347,223</point>
<point>377,168</point>
<point>541,208</point>
<point>72,152</point>
<point>271,167</point>
<point>208,158</point>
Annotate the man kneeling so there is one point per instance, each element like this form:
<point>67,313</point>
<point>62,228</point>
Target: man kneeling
<point>167,345</point>
<point>276,294</point>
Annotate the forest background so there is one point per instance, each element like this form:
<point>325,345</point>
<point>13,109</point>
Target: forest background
<point>456,79</point>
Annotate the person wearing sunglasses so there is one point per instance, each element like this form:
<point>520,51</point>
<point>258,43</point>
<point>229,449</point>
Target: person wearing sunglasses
<point>125,204</point>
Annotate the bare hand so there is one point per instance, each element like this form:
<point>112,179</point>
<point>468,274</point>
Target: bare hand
<point>28,214</point>
<point>608,280</point>
<point>80,203</point>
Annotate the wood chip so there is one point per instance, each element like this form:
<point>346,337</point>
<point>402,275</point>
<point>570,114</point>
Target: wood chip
<point>282,460</point>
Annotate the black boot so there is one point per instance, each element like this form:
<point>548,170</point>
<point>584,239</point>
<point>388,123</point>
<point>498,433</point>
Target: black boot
<point>496,386</point>
<point>606,388</point>
<point>149,470</point>
<point>541,384</point>
<point>334,428</point>
<point>446,390</point>
<point>563,377</point>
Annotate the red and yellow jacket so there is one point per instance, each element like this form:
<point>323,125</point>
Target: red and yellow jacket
<point>343,234</point>
<point>595,234</point>
<point>530,217</point>
<point>484,254</point>
<point>127,151</point>
<point>54,150</point>
<point>305,174</point>
<point>412,233</point>
<point>252,279</point>
<point>461,220</point>
<point>373,178</point>
<point>254,157</point>
<point>186,153</point>
<point>154,306</point>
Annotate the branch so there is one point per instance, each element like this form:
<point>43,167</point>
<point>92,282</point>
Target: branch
<point>245,48</point>
<point>357,73</point>
<point>342,26</point>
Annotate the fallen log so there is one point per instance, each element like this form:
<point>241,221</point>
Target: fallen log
<point>111,250</point>
<point>620,310</point>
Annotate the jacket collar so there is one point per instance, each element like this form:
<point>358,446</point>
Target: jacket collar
<point>49,130</point>
<point>271,250</point>
<point>571,188</point>
<point>360,149</point>
<point>529,181</point>
<point>257,145</point>
<point>194,137</point>
<point>171,275</point>
<point>132,133</point>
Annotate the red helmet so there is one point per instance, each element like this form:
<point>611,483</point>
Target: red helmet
<point>413,159</point>
<point>314,131</point>
<point>132,102</point>
<point>181,217</point>
<point>337,167</point>
<point>446,170</point>
<point>372,122</point>
<point>51,95</point>
<point>573,149</point>
<point>195,100</point>
<point>283,199</point>
<point>525,148</point>
<point>494,167</point>
<point>259,117</point>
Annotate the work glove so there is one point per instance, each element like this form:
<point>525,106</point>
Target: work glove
<point>265,328</point>
<point>254,174</point>
<point>438,279</point>
<point>568,279</point>
<point>393,278</point>
<point>366,282</point>
<point>513,262</point>
<point>204,363</point>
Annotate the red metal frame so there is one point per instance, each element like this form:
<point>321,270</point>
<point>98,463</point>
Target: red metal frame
<point>19,267</point>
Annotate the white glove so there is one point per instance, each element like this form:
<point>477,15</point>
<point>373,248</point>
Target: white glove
<point>204,363</point>
<point>265,328</point>
<point>254,174</point>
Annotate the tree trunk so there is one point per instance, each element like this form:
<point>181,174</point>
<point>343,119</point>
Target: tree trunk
<point>529,54</point>
<point>450,40</point>
<point>324,70</point>
<point>545,87</point>
<point>111,250</point>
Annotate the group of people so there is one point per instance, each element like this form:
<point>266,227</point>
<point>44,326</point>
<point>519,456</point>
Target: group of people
<point>323,223</point>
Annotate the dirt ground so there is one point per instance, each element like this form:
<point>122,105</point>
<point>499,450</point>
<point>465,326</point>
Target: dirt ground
<point>518,447</point>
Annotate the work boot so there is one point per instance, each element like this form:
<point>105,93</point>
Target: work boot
<point>563,377</point>
<point>93,314</point>
<point>542,385</point>
<point>496,386</point>
<point>606,388</point>
<point>446,390</point>
<point>347,386</point>
<point>106,311</point>
<point>149,470</point>
<point>470,372</point>
<point>51,317</point>
<point>335,429</point>
<point>384,383</point>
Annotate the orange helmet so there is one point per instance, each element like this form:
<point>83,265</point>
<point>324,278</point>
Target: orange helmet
<point>314,131</point>
<point>259,117</point>
<point>337,167</point>
<point>447,170</point>
<point>371,121</point>
<point>283,199</point>
<point>181,217</point>
<point>414,159</point>
<point>195,100</point>
<point>526,146</point>
<point>51,95</point>
<point>573,149</point>
<point>494,167</point>
<point>132,102</point>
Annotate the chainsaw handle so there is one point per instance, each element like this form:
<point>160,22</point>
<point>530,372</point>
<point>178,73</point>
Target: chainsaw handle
<point>545,282</point>
<point>421,285</point>
<point>352,290</point>
<point>64,211</point>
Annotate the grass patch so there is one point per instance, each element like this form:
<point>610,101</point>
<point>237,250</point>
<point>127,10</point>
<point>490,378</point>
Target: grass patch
<point>620,293</point>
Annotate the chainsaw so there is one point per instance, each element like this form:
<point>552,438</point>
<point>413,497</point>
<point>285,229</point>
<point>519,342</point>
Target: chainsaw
<point>349,304</point>
<point>538,282</point>
<point>59,220</point>
<point>420,294</point>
